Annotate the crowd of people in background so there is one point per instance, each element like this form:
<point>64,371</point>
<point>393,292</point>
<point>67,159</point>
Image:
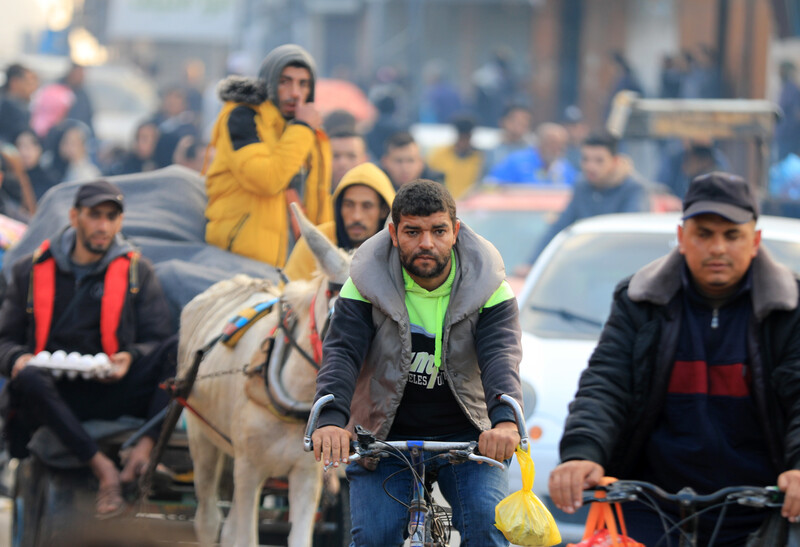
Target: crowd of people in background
<point>49,129</point>
<point>267,148</point>
<point>48,135</point>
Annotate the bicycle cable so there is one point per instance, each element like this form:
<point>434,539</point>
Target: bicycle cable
<point>677,525</point>
<point>383,485</point>
<point>440,522</point>
<point>652,503</point>
<point>718,525</point>
<point>397,453</point>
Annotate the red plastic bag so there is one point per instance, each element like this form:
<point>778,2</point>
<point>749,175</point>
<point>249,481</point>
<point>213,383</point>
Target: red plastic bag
<point>601,526</point>
<point>603,538</point>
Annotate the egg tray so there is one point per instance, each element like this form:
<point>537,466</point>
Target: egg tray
<point>72,366</point>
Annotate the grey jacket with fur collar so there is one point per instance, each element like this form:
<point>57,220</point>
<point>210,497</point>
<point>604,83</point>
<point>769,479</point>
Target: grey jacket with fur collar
<point>241,89</point>
<point>622,391</point>
<point>774,285</point>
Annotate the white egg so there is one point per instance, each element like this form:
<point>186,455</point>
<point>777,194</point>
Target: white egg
<point>86,362</point>
<point>58,356</point>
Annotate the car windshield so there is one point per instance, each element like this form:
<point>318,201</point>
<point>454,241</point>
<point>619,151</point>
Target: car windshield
<point>514,233</point>
<point>785,252</point>
<point>572,296</point>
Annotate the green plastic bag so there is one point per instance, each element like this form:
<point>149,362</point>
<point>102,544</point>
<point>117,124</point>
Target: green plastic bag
<point>522,517</point>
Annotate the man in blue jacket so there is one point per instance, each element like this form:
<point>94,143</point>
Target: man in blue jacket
<point>608,185</point>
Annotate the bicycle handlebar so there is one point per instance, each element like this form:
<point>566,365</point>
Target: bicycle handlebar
<point>313,418</point>
<point>519,418</point>
<point>629,490</point>
<point>456,451</point>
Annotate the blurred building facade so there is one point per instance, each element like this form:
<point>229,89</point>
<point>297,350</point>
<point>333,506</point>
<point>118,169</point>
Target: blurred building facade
<point>558,52</point>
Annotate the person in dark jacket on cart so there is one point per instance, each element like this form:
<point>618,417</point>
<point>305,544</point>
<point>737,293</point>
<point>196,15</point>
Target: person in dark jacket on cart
<point>86,290</point>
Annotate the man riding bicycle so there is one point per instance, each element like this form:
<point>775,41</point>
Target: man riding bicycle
<point>696,376</point>
<point>425,336</point>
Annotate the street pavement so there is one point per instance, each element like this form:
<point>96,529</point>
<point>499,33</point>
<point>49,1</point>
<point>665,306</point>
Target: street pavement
<point>5,521</point>
<point>6,527</point>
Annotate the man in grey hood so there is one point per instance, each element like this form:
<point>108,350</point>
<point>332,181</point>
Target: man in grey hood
<point>270,151</point>
<point>87,291</point>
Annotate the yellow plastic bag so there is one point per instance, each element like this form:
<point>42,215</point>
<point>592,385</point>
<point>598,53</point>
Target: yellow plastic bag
<point>522,517</point>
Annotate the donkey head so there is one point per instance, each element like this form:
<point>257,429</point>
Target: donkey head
<point>333,261</point>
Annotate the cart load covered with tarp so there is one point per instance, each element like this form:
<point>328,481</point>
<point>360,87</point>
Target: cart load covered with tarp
<point>165,219</point>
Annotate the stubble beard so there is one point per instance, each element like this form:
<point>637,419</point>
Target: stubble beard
<point>429,273</point>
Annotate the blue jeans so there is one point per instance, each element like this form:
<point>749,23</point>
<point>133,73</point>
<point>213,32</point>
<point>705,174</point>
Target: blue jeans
<point>472,490</point>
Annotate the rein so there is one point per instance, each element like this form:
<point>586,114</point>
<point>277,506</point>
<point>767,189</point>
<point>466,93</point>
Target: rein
<point>286,323</point>
<point>316,336</point>
<point>282,404</point>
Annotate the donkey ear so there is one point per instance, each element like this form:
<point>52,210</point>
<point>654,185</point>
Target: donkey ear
<point>330,258</point>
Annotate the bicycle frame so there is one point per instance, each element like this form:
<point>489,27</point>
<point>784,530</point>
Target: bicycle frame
<point>421,513</point>
<point>418,530</point>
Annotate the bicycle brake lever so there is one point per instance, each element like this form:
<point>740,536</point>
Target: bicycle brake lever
<point>755,499</point>
<point>351,458</point>
<point>611,494</point>
<point>484,459</point>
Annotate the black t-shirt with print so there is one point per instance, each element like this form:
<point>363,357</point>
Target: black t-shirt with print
<point>428,408</point>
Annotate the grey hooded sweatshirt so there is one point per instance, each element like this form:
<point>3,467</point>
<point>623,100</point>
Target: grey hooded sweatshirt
<point>367,353</point>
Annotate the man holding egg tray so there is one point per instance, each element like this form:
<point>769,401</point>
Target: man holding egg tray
<point>87,305</point>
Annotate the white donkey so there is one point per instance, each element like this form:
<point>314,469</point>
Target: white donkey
<point>262,443</point>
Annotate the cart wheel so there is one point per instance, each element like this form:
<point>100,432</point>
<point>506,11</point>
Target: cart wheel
<point>338,515</point>
<point>68,509</point>
<point>29,503</point>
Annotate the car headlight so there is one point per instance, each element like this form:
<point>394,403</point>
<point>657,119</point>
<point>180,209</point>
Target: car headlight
<point>528,399</point>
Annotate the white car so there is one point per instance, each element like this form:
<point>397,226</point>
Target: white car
<point>566,299</point>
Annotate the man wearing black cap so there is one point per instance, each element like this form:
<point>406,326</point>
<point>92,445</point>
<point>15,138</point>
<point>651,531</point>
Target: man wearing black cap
<point>86,290</point>
<point>696,378</point>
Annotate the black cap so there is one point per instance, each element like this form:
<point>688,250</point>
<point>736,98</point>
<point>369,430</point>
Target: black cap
<point>723,194</point>
<point>97,192</point>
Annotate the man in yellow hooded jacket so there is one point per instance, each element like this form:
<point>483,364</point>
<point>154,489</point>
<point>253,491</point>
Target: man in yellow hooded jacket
<point>362,202</point>
<point>270,150</point>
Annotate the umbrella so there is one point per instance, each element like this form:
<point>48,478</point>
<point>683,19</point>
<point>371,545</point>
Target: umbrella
<point>332,94</point>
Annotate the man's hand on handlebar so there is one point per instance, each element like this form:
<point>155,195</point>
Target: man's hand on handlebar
<point>569,479</point>
<point>331,444</point>
<point>789,484</point>
<point>499,442</point>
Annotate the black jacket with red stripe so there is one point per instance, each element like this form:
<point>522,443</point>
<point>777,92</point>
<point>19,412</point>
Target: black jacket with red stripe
<point>622,392</point>
<point>75,324</point>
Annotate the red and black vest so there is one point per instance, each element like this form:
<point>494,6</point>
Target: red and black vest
<point>120,278</point>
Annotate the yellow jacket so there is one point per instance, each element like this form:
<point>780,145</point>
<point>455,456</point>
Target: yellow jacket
<point>460,172</point>
<point>301,263</point>
<point>247,210</point>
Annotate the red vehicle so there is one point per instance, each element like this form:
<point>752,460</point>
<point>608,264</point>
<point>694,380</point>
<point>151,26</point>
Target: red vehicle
<point>514,217</point>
